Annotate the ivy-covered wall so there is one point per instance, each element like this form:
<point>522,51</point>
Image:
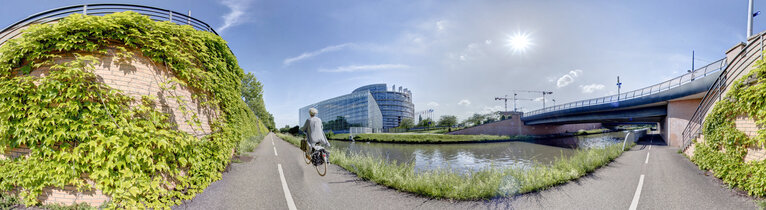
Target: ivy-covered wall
<point>725,147</point>
<point>79,129</point>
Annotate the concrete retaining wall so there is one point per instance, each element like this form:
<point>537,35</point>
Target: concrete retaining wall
<point>514,127</point>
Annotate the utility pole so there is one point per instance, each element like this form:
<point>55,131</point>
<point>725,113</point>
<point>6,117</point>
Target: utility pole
<point>692,61</point>
<point>619,85</point>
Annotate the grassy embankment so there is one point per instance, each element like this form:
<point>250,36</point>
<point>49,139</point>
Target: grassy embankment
<point>484,184</point>
<point>421,138</point>
<point>592,131</point>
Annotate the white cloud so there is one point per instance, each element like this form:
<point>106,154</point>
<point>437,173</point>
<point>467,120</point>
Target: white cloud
<point>492,109</point>
<point>538,99</point>
<point>355,68</point>
<point>440,25</point>
<point>307,55</point>
<point>464,102</point>
<point>488,41</point>
<point>235,17</point>
<point>432,104</point>
<point>591,88</point>
<point>568,78</point>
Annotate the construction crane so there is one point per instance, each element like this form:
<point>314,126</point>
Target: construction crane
<point>535,91</point>
<point>506,102</point>
<point>506,98</point>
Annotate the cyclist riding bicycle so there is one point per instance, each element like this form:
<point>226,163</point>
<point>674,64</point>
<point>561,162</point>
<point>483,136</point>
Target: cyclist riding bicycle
<point>313,130</point>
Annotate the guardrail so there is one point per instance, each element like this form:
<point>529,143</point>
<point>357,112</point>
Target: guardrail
<point>654,89</point>
<point>53,15</point>
<point>740,63</point>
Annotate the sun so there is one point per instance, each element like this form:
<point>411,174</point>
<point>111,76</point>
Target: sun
<point>519,42</point>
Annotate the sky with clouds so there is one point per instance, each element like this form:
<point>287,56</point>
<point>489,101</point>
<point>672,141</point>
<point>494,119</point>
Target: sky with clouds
<point>454,55</point>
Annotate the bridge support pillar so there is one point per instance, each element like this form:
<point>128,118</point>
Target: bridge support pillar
<point>679,114</point>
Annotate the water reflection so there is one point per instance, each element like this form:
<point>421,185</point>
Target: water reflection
<point>475,156</point>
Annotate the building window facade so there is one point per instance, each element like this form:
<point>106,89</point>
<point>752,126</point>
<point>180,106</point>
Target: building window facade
<point>372,106</point>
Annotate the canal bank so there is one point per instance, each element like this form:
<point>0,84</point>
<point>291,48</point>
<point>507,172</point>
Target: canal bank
<point>485,181</point>
<point>256,185</point>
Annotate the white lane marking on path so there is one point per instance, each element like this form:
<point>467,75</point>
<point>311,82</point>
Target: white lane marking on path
<point>272,142</point>
<point>647,158</point>
<point>288,197</point>
<point>634,204</point>
<point>275,151</point>
<point>650,146</point>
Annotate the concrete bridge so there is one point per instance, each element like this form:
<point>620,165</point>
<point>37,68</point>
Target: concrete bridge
<point>670,103</point>
<point>679,105</point>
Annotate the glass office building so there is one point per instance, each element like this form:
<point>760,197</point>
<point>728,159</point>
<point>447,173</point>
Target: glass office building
<point>341,113</point>
<point>372,106</point>
<point>395,104</point>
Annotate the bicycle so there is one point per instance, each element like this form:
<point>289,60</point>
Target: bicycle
<point>318,158</point>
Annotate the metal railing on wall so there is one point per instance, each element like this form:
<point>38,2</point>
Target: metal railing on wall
<point>53,15</point>
<point>654,89</point>
<point>739,66</point>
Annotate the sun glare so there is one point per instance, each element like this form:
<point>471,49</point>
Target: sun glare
<point>519,42</point>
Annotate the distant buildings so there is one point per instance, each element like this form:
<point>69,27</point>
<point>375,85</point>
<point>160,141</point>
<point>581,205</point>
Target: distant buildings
<point>371,106</point>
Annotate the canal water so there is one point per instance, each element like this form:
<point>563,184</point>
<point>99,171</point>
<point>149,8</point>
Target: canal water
<point>475,156</point>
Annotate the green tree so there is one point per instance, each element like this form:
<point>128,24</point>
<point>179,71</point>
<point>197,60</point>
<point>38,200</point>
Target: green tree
<point>252,93</point>
<point>428,122</point>
<point>285,129</point>
<point>476,119</point>
<point>448,120</point>
<point>406,123</point>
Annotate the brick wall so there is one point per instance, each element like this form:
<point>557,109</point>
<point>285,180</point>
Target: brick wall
<point>748,126</point>
<point>136,77</point>
<point>14,152</point>
<point>140,76</point>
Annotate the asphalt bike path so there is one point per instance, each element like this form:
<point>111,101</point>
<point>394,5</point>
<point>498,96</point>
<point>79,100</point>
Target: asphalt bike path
<point>669,182</point>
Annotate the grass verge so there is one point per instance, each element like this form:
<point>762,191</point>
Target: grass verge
<point>421,138</point>
<point>249,144</point>
<point>484,184</point>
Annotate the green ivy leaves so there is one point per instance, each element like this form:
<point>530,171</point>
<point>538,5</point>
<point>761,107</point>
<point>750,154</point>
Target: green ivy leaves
<point>725,147</point>
<point>79,129</point>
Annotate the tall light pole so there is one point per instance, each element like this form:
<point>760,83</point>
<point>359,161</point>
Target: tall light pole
<point>544,93</point>
<point>749,20</point>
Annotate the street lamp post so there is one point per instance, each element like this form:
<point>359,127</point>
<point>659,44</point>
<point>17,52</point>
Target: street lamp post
<point>749,20</point>
<point>619,85</point>
<point>544,93</point>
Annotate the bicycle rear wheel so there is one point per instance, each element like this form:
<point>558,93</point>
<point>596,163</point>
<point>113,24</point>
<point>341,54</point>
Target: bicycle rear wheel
<point>307,157</point>
<point>322,168</point>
